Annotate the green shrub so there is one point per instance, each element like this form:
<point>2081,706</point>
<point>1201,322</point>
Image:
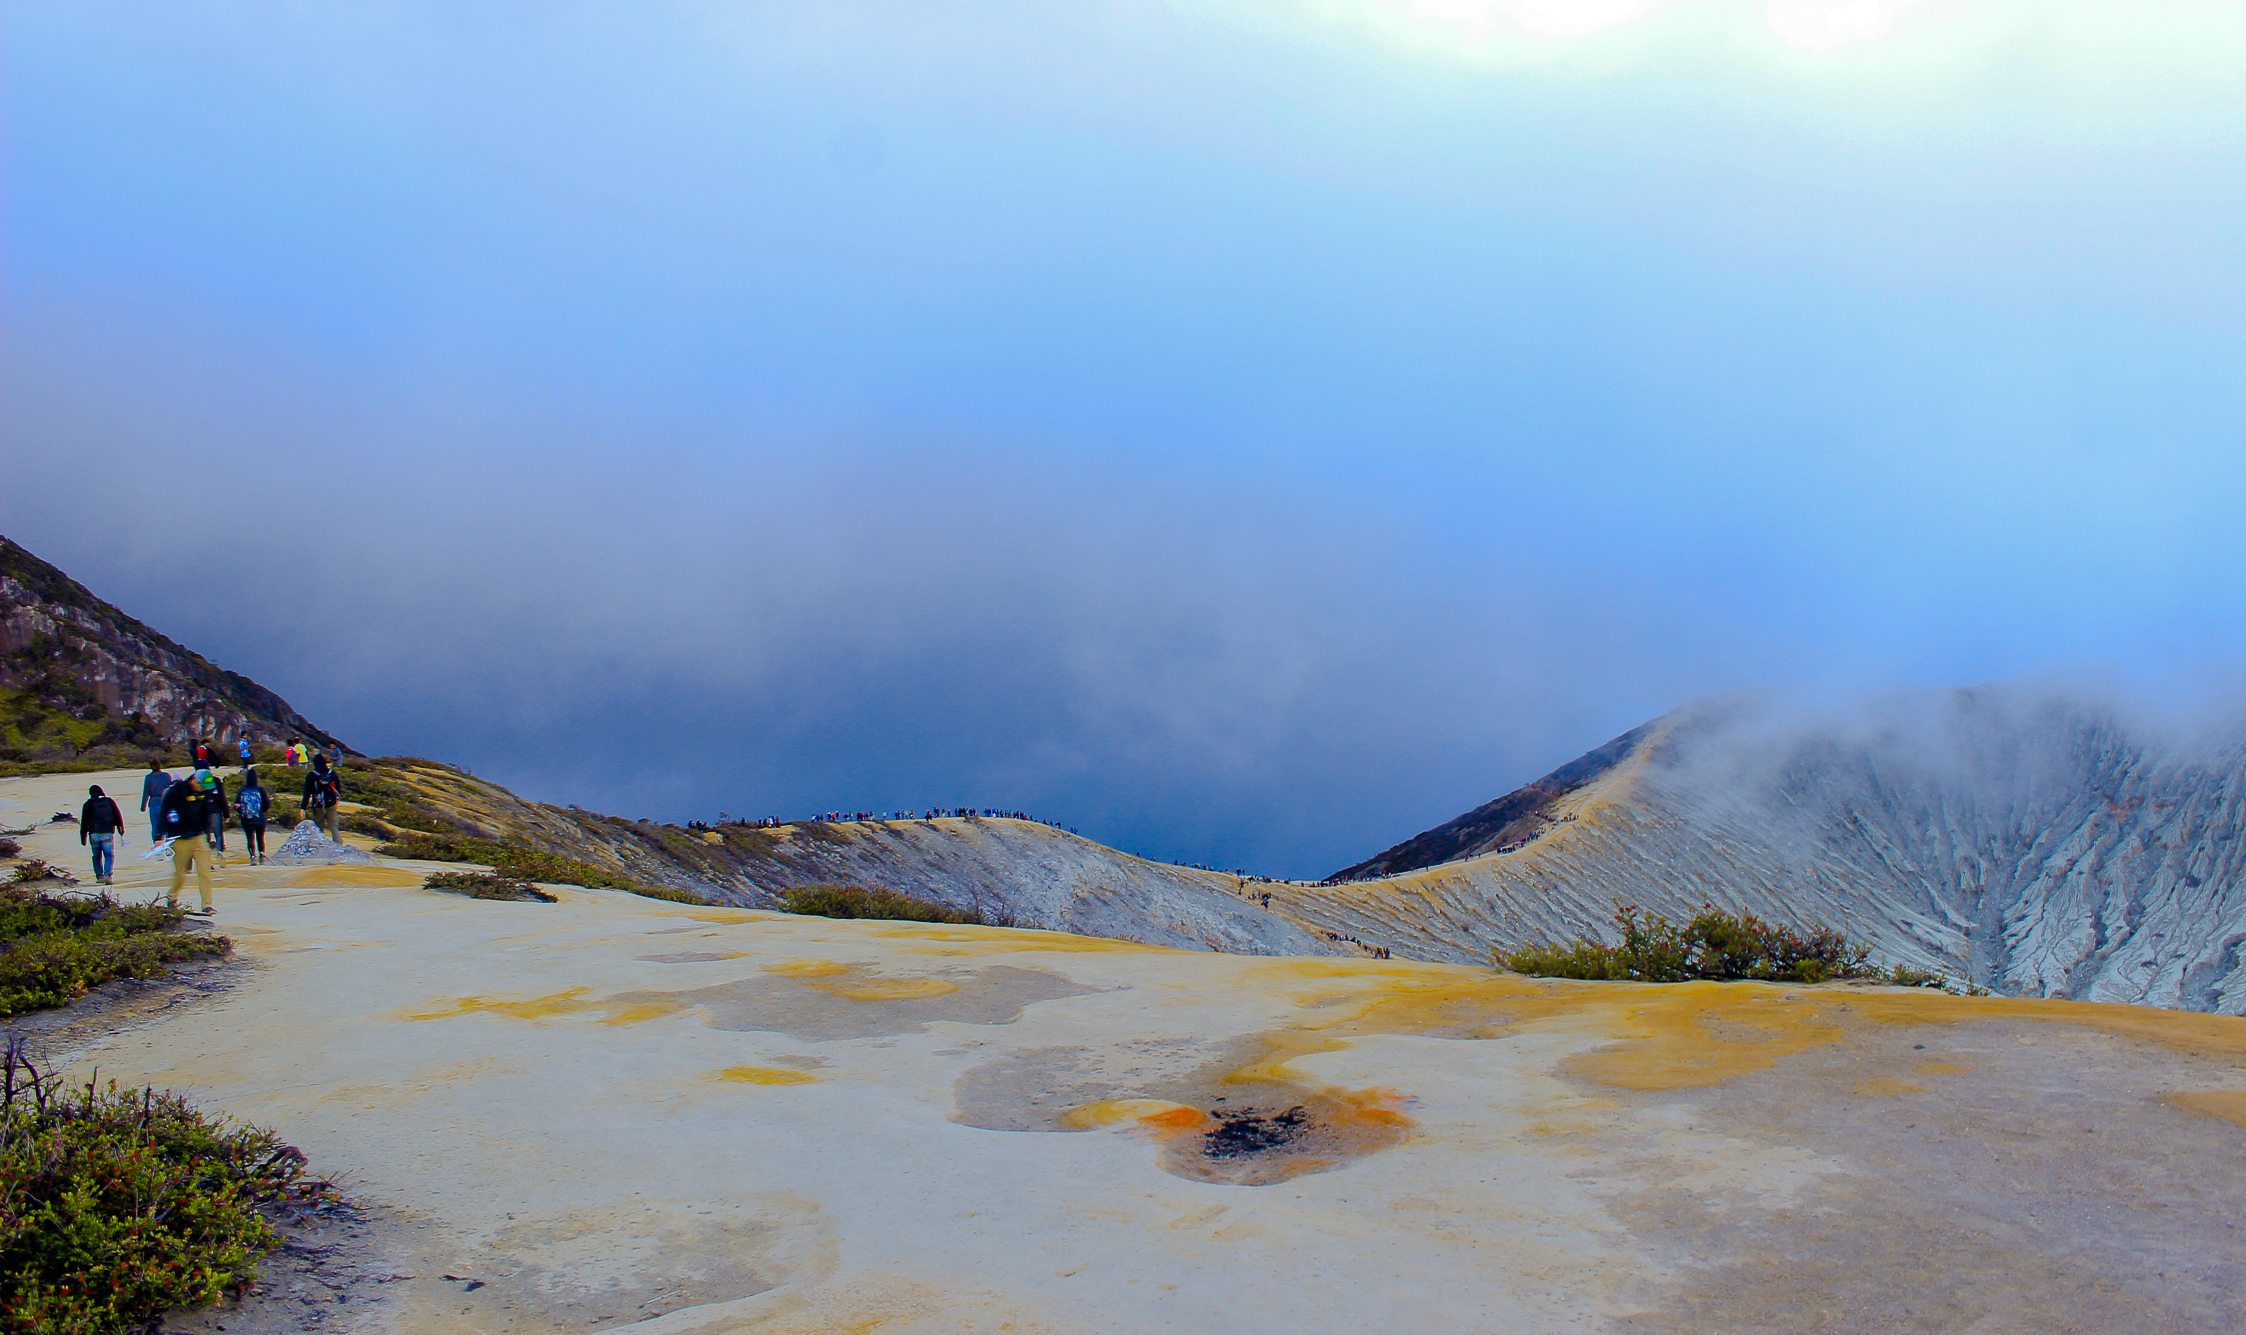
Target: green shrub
<point>527,864</point>
<point>863,901</point>
<point>52,948</point>
<point>118,1205</point>
<point>671,893</point>
<point>1714,945</point>
<point>486,885</point>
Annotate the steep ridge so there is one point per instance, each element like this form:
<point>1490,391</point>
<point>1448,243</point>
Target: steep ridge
<point>77,675</point>
<point>1014,872</point>
<point>2036,844</point>
<point>1505,824</point>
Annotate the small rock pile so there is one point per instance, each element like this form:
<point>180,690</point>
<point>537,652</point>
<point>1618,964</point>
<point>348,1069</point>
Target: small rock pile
<point>307,847</point>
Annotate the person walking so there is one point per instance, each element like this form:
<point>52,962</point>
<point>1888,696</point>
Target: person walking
<point>247,754</point>
<point>186,822</point>
<point>218,816</point>
<point>249,803</point>
<point>152,790</point>
<point>100,825</point>
<point>201,754</point>
<point>322,791</point>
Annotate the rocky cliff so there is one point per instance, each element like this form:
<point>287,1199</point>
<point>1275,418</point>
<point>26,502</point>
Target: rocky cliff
<point>78,675</point>
<point>2038,844</point>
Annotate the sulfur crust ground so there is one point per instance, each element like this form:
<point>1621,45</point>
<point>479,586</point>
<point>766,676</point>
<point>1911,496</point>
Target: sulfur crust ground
<point>616,1113</point>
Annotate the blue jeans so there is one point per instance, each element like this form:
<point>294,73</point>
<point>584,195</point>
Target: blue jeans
<point>155,825</point>
<point>105,853</point>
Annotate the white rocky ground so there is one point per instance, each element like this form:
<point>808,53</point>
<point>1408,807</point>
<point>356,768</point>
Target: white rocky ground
<point>617,1113</point>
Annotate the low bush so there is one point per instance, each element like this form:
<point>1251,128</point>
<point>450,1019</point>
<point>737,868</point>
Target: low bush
<point>671,893</point>
<point>1714,945</point>
<point>53,947</point>
<point>9,847</point>
<point>119,1205</point>
<point>486,885</point>
<point>39,869</point>
<point>864,901</point>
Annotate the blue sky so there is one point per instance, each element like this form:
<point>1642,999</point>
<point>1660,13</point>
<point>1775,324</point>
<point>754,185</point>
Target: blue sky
<point>1249,431</point>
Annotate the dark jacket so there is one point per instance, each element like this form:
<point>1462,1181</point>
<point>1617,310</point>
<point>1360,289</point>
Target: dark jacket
<point>100,815</point>
<point>188,809</point>
<point>322,788</point>
<point>153,788</point>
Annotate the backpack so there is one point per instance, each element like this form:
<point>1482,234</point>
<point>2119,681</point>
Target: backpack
<point>326,790</point>
<point>252,803</point>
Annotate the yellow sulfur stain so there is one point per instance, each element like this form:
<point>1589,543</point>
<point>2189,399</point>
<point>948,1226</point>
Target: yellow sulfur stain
<point>852,982</point>
<point>324,877</point>
<point>1112,1112</point>
<point>806,968</point>
<point>572,1002</point>
<point>1680,1035</point>
<point>889,989</point>
<point>2228,1104</point>
<point>1943,1068</point>
<point>763,1075</point>
<point>1886,1087</point>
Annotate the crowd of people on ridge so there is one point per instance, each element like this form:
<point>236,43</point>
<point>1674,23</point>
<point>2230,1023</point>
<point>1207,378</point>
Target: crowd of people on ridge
<point>836,817</point>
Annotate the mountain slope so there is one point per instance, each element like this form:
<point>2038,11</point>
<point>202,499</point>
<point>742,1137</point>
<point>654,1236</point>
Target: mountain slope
<point>2036,844</point>
<point>1015,872</point>
<point>77,676</point>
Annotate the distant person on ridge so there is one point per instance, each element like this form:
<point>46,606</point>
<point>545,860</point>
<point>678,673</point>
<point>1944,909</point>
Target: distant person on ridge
<point>152,790</point>
<point>100,825</point>
<point>323,789</point>
<point>250,802</point>
<point>187,821</point>
<point>247,756</point>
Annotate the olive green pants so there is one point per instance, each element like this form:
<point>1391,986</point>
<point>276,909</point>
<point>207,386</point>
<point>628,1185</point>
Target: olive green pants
<point>191,850</point>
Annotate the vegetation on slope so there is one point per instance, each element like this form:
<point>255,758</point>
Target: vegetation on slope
<point>523,863</point>
<point>863,901</point>
<point>1713,945</point>
<point>485,885</point>
<point>54,947</point>
<point>118,1205</point>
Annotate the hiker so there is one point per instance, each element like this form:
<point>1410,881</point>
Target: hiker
<point>217,789</point>
<point>247,757</point>
<point>186,821</point>
<point>322,790</point>
<point>152,790</point>
<point>100,825</point>
<point>250,802</point>
<point>295,753</point>
<point>201,754</point>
